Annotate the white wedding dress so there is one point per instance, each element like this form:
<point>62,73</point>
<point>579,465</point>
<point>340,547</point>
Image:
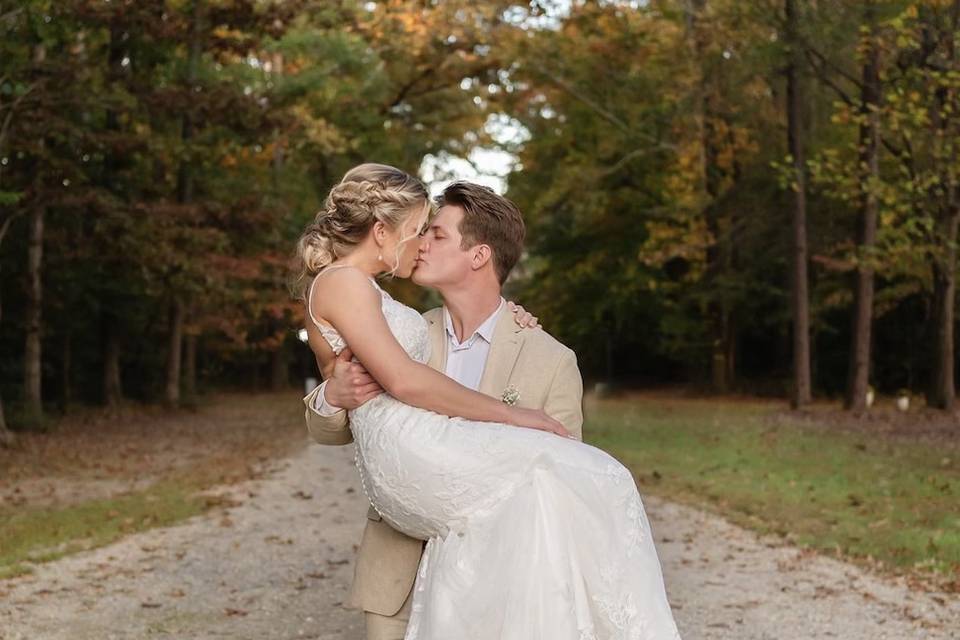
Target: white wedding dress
<point>530,536</point>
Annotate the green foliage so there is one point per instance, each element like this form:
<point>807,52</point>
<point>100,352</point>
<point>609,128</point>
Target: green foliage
<point>821,487</point>
<point>636,237</point>
<point>179,148</point>
<point>656,181</point>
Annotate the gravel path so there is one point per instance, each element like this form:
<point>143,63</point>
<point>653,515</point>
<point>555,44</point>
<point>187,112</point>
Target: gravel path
<point>277,563</point>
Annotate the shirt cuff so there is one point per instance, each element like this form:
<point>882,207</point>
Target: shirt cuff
<point>320,404</point>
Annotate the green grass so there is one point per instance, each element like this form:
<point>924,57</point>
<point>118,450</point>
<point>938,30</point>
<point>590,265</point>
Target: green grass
<point>226,439</point>
<point>44,534</point>
<point>894,503</point>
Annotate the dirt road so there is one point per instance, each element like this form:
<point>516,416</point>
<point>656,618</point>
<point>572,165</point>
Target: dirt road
<point>277,563</point>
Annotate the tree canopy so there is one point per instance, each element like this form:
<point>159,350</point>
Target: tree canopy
<point>159,159</point>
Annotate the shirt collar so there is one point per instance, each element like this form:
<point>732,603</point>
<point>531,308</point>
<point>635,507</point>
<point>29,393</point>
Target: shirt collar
<point>485,330</point>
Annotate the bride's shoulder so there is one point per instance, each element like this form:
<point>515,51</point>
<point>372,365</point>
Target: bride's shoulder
<point>341,276</point>
<point>341,284</point>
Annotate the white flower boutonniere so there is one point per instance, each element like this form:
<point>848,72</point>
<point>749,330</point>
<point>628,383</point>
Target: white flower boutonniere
<point>510,395</point>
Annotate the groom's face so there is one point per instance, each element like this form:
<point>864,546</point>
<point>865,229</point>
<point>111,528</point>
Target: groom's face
<point>441,262</point>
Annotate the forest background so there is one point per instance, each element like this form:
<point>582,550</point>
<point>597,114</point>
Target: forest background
<point>752,197</point>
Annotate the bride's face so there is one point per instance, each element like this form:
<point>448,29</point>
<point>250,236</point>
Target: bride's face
<point>407,238</point>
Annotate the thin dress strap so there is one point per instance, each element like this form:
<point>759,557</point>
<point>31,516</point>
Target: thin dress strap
<point>329,333</point>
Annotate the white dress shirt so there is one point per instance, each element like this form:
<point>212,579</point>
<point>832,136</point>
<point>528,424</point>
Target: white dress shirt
<point>465,360</point>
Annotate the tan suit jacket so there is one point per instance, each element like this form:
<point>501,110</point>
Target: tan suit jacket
<point>532,362</point>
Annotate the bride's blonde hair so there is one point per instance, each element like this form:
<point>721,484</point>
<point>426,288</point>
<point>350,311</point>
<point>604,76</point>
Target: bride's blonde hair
<point>367,193</point>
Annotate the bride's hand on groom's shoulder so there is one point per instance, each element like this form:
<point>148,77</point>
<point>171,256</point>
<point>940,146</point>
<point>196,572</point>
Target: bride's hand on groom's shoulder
<point>523,317</point>
<point>537,419</point>
<point>350,385</point>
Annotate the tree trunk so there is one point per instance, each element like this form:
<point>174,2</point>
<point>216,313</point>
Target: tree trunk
<point>6,436</point>
<point>254,372</point>
<point>799,297</point>
<point>731,265</point>
<point>185,187</point>
<point>609,357</point>
<point>718,310</point>
<point>730,346</point>
<point>942,393</point>
<point>185,171</point>
<point>112,386</point>
<point>66,372</point>
<point>190,366</point>
<point>174,347</point>
<point>278,369</point>
<point>858,371</point>
<point>33,400</point>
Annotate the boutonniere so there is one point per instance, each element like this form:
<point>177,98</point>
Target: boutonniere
<point>510,395</point>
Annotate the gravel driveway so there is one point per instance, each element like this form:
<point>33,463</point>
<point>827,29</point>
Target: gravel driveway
<point>277,563</point>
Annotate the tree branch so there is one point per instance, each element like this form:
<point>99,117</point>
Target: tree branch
<point>6,224</point>
<point>572,91</point>
<point>824,61</point>
<point>603,112</point>
<point>636,153</point>
<point>827,80</point>
<point>820,71</point>
<point>405,89</point>
<point>11,13</point>
<point>12,109</point>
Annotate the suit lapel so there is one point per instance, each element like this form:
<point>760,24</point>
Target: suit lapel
<point>438,340</point>
<point>504,351</point>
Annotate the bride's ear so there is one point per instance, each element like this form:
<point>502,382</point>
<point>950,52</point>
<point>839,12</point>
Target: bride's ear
<point>379,233</point>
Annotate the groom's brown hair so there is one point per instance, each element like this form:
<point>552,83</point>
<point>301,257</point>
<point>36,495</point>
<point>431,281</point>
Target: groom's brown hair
<point>490,219</point>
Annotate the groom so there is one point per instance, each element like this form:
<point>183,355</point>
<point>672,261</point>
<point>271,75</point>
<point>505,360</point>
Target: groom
<point>466,254</point>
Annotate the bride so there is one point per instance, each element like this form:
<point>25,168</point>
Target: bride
<point>530,536</point>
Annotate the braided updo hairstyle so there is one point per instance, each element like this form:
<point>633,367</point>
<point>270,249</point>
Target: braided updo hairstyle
<point>367,193</point>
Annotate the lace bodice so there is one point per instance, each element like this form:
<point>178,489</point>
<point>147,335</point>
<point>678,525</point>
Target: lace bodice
<point>407,326</point>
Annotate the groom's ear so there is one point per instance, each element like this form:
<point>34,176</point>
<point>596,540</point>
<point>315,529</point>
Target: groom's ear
<point>482,254</point>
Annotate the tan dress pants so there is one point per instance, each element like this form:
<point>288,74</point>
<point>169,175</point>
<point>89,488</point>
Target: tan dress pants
<point>389,627</point>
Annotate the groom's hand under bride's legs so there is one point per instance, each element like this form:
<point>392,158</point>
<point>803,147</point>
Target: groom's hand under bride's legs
<point>389,628</point>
